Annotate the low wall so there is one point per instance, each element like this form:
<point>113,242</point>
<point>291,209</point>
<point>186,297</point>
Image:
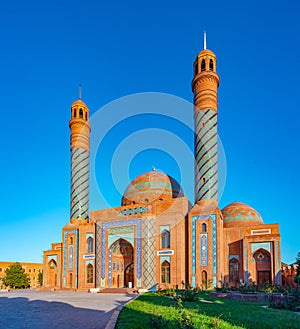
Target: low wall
<point>256,297</point>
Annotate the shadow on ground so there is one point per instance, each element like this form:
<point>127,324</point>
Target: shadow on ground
<point>20,312</point>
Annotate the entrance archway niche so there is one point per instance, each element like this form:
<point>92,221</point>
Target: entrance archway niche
<point>262,260</point>
<point>52,273</point>
<point>122,263</point>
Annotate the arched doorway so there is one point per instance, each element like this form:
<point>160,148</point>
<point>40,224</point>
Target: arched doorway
<point>204,279</point>
<point>52,273</point>
<point>262,259</point>
<point>70,280</point>
<point>233,271</point>
<point>129,275</point>
<point>122,263</point>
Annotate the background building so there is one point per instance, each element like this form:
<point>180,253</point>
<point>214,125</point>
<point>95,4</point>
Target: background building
<point>32,269</point>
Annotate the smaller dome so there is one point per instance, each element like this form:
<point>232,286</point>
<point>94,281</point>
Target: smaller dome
<point>206,51</point>
<point>240,214</point>
<point>79,102</point>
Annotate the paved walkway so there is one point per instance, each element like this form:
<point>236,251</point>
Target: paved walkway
<point>65,310</point>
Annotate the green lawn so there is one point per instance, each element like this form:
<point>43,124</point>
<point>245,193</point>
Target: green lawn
<point>208,313</point>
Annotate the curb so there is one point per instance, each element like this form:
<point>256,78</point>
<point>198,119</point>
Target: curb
<point>113,319</point>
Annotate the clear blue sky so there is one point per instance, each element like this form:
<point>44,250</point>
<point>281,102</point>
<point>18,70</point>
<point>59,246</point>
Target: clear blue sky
<point>122,47</point>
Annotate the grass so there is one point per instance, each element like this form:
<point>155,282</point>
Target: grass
<point>152,311</point>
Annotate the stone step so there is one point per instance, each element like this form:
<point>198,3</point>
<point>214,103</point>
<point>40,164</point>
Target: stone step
<point>119,291</point>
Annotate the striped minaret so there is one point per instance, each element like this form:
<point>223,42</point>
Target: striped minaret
<point>80,150</point>
<point>205,88</point>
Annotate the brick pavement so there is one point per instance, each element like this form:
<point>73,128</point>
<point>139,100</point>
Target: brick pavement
<point>65,310</point>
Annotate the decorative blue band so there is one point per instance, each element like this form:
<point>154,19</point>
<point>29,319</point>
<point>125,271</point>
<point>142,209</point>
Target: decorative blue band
<point>65,256</point>
<point>214,243</point>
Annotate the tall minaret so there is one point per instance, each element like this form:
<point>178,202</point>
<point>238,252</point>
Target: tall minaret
<point>80,151</point>
<point>205,88</point>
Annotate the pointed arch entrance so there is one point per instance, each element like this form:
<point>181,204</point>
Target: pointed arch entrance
<point>262,259</point>
<point>122,263</point>
<point>52,273</point>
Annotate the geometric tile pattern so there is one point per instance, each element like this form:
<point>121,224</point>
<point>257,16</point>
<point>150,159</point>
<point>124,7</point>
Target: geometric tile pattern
<point>206,155</point>
<point>98,255</point>
<point>246,262</point>
<point>79,183</point>
<point>133,211</point>
<point>214,244</point>
<point>238,211</point>
<point>149,268</point>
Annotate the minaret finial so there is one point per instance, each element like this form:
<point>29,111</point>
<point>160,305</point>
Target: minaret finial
<point>79,91</point>
<point>204,41</point>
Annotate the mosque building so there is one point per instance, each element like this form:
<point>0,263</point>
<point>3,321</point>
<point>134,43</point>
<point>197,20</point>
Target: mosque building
<point>156,236</point>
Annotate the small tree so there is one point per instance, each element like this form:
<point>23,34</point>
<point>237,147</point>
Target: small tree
<point>297,277</point>
<point>16,277</point>
<point>40,278</point>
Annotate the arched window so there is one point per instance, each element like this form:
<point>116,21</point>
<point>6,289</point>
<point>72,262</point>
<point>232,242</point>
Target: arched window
<point>89,273</point>
<point>90,244</point>
<point>81,113</point>
<point>165,272</point>
<point>204,227</point>
<point>203,65</point>
<point>74,113</point>
<point>196,68</point>
<point>86,116</point>
<point>211,65</point>
<point>71,240</point>
<point>165,239</point>
<point>52,263</point>
<point>233,270</point>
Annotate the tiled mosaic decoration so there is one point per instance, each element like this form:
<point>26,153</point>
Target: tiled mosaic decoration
<point>149,249</point>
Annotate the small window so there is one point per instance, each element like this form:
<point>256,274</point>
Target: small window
<point>146,200</point>
<point>29,270</point>
<point>0,269</point>
<point>71,240</point>
<point>203,180</point>
<point>74,113</point>
<point>86,117</point>
<point>165,272</point>
<point>90,244</point>
<point>165,239</point>
<point>211,65</point>
<point>204,227</point>
<point>34,270</point>
<point>203,65</point>
<point>81,113</point>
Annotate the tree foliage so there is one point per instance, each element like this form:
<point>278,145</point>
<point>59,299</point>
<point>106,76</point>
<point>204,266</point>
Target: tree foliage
<point>298,263</point>
<point>16,277</point>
